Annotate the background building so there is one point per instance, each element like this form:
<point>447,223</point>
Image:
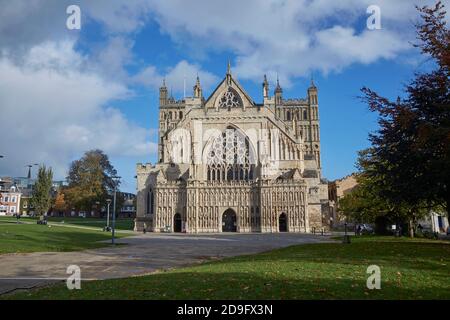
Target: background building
<point>337,189</point>
<point>128,209</point>
<point>10,198</point>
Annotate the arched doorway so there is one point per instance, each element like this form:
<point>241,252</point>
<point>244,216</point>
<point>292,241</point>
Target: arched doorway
<point>177,223</point>
<point>282,223</point>
<point>229,221</point>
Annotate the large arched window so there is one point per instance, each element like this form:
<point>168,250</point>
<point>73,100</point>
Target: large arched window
<point>230,99</point>
<point>230,157</point>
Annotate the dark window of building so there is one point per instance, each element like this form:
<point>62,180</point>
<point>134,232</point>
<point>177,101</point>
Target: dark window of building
<point>150,202</point>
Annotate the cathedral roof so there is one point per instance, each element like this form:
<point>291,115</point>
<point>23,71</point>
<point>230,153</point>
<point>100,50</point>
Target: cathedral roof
<point>227,81</point>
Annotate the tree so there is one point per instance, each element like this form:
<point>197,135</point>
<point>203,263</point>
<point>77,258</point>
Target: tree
<point>41,198</point>
<point>410,154</point>
<point>90,180</point>
<point>373,197</point>
<point>60,203</point>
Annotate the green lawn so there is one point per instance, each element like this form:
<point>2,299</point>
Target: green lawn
<point>410,269</point>
<point>121,224</point>
<point>30,237</point>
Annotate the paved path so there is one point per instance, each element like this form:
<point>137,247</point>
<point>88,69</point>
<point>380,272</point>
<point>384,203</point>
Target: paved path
<point>141,255</point>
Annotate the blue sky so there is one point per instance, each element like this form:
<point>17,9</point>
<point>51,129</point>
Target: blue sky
<point>67,91</point>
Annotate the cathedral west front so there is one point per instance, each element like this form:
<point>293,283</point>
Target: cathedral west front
<point>229,164</point>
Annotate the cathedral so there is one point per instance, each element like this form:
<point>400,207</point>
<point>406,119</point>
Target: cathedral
<point>229,164</point>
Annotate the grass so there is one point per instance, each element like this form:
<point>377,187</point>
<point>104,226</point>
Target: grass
<point>30,237</point>
<point>410,269</point>
<point>121,224</point>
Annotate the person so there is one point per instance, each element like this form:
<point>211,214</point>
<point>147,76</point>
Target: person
<point>358,230</point>
<point>145,228</point>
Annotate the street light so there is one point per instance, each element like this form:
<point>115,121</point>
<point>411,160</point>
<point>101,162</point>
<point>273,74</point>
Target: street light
<point>346,236</point>
<point>116,181</point>
<point>107,228</point>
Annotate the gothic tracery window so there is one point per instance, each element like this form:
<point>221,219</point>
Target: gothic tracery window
<point>230,99</point>
<point>229,158</point>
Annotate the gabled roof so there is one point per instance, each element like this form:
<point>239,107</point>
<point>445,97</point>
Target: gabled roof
<point>223,84</point>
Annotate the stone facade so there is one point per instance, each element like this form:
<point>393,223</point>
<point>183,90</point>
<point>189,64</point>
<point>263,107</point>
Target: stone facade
<point>228,164</point>
<point>336,191</point>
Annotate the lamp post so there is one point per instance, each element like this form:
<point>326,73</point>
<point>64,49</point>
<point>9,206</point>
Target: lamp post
<point>116,181</point>
<point>108,201</point>
<point>346,236</point>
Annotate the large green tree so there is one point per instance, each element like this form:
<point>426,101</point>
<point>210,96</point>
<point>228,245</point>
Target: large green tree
<point>90,180</point>
<point>41,198</point>
<point>410,155</point>
<point>368,202</point>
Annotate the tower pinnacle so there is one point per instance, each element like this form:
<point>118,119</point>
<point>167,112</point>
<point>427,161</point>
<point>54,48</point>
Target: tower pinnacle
<point>313,85</point>
<point>198,88</point>
<point>265,87</point>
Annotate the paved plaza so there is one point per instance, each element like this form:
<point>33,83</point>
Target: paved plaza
<point>138,255</point>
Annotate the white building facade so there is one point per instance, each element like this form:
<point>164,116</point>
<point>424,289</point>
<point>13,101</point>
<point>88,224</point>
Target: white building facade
<point>9,199</point>
<point>228,164</point>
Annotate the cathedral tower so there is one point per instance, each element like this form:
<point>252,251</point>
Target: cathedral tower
<point>163,94</point>
<point>314,128</point>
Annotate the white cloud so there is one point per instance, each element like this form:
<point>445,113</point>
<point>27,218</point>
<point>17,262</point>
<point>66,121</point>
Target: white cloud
<point>291,37</point>
<point>118,16</point>
<point>111,58</point>
<point>176,76</point>
<point>25,23</point>
<point>271,36</point>
<point>53,110</point>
